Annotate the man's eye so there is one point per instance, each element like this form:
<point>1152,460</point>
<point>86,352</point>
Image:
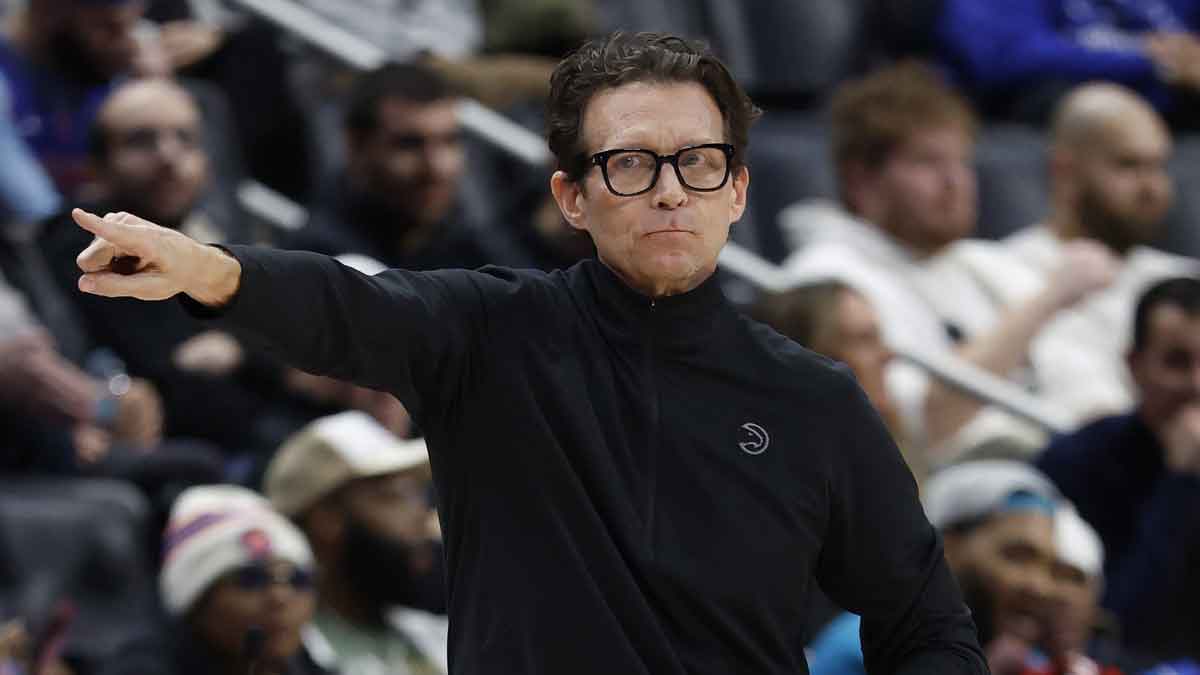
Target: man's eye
<point>630,161</point>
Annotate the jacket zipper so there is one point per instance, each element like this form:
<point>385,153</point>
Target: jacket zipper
<point>656,431</point>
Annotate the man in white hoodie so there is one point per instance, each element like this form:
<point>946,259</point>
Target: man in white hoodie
<point>903,147</point>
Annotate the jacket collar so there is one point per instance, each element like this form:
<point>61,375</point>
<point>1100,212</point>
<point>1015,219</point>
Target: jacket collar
<point>676,321</point>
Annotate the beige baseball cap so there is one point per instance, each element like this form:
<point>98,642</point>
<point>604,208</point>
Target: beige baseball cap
<point>332,451</point>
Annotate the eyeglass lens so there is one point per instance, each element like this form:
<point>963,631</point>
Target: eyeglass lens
<point>634,171</point>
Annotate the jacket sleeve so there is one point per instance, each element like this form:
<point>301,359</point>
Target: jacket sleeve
<point>410,333</point>
<point>1000,44</point>
<point>882,559</point>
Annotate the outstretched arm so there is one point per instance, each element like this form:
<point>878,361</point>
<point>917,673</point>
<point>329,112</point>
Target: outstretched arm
<point>408,333</point>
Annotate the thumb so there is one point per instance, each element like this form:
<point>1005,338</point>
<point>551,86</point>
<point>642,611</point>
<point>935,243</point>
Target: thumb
<point>140,285</point>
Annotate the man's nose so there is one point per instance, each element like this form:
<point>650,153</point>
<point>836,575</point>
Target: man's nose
<point>669,193</point>
<point>1040,585</point>
<point>169,147</point>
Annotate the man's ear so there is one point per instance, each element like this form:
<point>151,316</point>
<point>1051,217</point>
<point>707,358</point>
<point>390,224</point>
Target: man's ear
<point>1062,165</point>
<point>568,194</point>
<point>857,184</point>
<point>1133,364</point>
<point>741,186</point>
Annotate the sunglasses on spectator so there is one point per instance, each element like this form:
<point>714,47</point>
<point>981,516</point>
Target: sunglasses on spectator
<point>258,577</point>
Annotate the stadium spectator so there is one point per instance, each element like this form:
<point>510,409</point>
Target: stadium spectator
<point>903,145</point>
<point>997,518</point>
<point>148,152</point>
<point>399,199</point>
<point>1079,633</point>
<point>498,51</point>
<point>1017,57</point>
<point>237,582</point>
<point>1110,191</point>
<point>362,497</point>
<point>54,415</point>
<point>250,61</point>
<point>1136,477</point>
<point>61,58</point>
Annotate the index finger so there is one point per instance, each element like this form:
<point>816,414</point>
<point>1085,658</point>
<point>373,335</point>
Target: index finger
<point>120,229</point>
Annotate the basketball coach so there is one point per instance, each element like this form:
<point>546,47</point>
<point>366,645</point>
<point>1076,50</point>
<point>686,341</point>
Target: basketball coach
<point>633,478</point>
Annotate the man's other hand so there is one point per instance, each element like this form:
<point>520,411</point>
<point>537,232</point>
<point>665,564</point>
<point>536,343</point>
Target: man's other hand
<point>135,258</point>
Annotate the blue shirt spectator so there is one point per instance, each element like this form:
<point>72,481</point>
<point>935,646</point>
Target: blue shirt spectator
<point>1004,51</point>
<point>26,193</point>
<point>1136,477</point>
<point>61,59</point>
<point>52,115</point>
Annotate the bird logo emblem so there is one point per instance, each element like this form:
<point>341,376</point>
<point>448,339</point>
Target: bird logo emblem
<point>759,439</point>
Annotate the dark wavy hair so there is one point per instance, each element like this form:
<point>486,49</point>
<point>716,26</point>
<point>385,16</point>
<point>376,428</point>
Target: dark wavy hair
<point>623,58</point>
<point>1179,292</point>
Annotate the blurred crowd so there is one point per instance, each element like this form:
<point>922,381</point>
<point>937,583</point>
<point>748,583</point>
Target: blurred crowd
<point>1009,183</point>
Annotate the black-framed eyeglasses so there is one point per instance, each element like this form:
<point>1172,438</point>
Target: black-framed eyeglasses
<point>258,577</point>
<point>629,172</point>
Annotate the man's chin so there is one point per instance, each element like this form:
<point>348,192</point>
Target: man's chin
<point>1022,625</point>
<point>675,270</point>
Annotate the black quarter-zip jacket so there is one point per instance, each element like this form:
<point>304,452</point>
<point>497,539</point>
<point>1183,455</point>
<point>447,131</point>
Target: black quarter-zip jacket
<point>627,486</point>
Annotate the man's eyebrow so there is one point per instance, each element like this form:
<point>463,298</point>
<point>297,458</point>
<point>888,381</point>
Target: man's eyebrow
<point>632,145</point>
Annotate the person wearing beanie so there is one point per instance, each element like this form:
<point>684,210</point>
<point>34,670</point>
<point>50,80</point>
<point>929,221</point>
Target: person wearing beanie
<point>362,496</point>
<point>237,583</point>
<point>1080,633</point>
<point>997,519</point>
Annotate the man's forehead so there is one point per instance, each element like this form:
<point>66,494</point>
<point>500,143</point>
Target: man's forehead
<point>1132,135</point>
<point>139,105</point>
<point>1023,527</point>
<point>401,115</point>
<point>1169,322</point>
<point>940,136</point>
<point>655,115</point>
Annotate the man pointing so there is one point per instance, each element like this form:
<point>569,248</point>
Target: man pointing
<point>633,478</point>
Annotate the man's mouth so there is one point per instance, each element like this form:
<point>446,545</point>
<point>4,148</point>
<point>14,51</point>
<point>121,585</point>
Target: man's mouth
<point>1022,624</point>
